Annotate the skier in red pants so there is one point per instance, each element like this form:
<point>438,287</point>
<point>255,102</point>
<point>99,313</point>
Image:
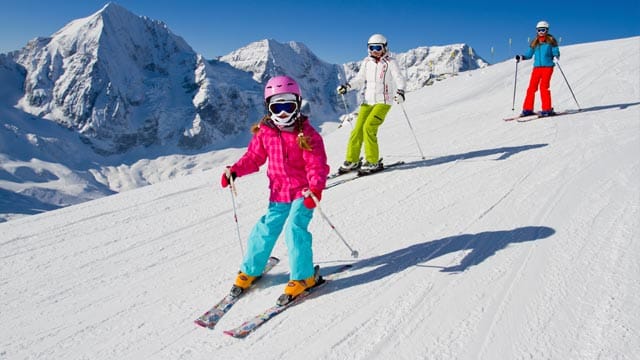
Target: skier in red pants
<point>544,48</point>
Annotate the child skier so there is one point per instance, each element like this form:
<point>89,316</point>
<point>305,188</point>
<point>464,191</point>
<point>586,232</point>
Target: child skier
<point>545,48</point>
<point>377,75</point>
<point>297,167</point>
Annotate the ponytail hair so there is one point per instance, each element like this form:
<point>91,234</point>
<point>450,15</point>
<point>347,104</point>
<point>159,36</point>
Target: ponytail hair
<point>303,140</point>
<point>256,127</point>
<point>548,38</point>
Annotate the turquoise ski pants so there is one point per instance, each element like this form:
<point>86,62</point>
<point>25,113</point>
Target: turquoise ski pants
<point>296,235</point>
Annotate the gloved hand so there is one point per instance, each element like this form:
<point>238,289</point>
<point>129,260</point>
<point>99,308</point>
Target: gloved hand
<point>342,89</point>
<point>519,57</point>
<point>226,180</point>
<point>308,201</point>
<point>399,97</point>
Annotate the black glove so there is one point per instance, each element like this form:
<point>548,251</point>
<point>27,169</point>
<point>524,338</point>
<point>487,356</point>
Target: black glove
<point>342,89</point>
<point>399,98</point>
<point>519,57</point>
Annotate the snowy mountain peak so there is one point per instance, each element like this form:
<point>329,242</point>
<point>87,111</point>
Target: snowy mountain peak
<point>97,75</point>
<point>318,79</point>
<point>114,10</point>
<point>267,58</point>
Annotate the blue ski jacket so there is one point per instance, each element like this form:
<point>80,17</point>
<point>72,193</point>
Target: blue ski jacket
<point>544,53</point>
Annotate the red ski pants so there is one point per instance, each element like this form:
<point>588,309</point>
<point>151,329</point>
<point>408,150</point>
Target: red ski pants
<point>540,76</point>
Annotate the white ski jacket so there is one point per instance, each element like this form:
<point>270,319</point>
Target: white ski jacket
<point>378,79</point>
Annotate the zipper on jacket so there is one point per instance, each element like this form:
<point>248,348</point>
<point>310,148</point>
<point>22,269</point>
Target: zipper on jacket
<point>285,153</point>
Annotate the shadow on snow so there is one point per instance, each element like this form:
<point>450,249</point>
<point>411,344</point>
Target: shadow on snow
<point>505,153</point>
<point>481,246</point>
<point>611,106</point>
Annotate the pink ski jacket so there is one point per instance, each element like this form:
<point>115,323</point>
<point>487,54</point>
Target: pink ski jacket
<point>291,169</point>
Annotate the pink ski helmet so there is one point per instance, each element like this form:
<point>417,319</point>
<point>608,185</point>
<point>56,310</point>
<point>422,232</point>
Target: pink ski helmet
<point>281,85</point>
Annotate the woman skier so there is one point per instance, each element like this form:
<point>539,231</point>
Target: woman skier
<point>544,48</point>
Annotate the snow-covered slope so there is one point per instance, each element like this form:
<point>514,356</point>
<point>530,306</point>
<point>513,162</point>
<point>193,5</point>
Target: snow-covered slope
<point>508,241</point>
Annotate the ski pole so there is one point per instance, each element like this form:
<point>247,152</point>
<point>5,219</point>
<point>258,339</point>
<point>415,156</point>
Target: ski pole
<point>515,80</point>
<point>412,132</point>
<point>354,253</point>
<point>346,112</point>
<point>569,86</point>
<point>234,193</point>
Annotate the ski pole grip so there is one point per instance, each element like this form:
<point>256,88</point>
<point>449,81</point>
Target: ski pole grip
<point>308,193</point>
<point>346,113</point>
<point>232,183</point>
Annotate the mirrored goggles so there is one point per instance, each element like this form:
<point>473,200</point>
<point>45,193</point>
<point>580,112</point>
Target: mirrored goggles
<point>287,106</point>
<point>375,47</point>
<point>542,30</point>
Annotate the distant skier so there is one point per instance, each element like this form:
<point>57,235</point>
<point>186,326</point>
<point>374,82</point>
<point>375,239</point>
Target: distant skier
<point>297,165</point>
<point>377,77</point>
<point>544,48</point>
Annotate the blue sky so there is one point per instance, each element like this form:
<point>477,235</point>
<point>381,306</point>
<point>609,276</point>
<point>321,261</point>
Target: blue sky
<point>337,31</point>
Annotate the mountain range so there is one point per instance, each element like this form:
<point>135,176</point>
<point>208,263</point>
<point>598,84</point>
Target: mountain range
<point>115,89</point>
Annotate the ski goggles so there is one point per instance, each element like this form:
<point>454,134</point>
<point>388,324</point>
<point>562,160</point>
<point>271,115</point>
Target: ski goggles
<point>375,47</point>
<point>287,106</point>
<point>542,30</point>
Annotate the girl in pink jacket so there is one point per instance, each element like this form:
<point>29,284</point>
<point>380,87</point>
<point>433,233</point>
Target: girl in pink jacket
<point>297,166</point>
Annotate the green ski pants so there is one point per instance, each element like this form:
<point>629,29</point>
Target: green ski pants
<point>369,120</point>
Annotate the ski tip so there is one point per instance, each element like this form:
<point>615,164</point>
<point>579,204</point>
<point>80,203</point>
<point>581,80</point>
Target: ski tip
<point>203,324</point>
<point>199,323</point>
<point>234,334</point>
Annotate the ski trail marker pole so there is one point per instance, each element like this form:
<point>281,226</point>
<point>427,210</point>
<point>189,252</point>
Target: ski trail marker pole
<point>515,80</point>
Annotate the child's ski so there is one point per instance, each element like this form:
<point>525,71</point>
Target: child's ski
<point>252,324</point>
<point>210,318</point>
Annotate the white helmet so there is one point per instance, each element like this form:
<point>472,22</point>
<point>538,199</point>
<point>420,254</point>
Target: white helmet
<point>378,43</point>
<point>542,24</point>
<point>377,39</point>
